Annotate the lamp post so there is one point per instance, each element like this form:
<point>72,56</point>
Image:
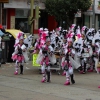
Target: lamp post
<point>31,15</point>
<point>93,18</point>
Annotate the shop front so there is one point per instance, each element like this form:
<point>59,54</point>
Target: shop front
<point>18,12</point>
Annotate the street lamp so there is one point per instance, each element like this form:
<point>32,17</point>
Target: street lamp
<point>31,15</point>
<point>93,18</point>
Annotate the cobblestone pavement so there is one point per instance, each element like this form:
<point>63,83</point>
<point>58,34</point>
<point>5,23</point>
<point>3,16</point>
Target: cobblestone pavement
<point>29,87</point>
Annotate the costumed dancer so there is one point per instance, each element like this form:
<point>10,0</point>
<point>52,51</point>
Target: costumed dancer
<point>89,38</point>
<point>64,46</point>
<point>52,36</point>
<point>39,42</point>
<point>45,57</point>
<point>58,38</point>
<point>19,53</point>
<point>86,52</point>
<point>83,50</point>
<point>28,41</point>
<point>68,35</point>
<point>96,50</point>
<point>78,45</point>
<point>66,63</point>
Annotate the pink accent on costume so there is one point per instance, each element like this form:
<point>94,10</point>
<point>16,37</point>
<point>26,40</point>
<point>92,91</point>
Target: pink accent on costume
<point>19,35</point>
<point>46,60</point>
<point>20,58</point>
<point>79,35</point>
<point>98,69</point>
<point>69,35</point>
<point>72,26</point>
<point>16,73</point>
<point>63,64</point>
<point>67,83</point>
<point>98,86</point>
<point>69,50</point>
<point>64,73</point>
<point>43,80</point>
<point>16,44</point>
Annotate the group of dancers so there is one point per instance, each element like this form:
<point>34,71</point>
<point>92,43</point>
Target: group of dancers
<point>78,48</point>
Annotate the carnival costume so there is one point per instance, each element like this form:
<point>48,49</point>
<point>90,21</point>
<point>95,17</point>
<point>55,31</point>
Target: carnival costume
<point>66,64</point>
<point>96,50</point>
<point>20,54</point>
<point>46,57</point>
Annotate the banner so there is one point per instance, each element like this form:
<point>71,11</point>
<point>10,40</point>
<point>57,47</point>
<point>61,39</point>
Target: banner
<point>34,60</point>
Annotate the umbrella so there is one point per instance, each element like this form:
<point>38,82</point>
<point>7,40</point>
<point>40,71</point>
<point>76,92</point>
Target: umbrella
<point>1,33</point>
<point>14,32</point>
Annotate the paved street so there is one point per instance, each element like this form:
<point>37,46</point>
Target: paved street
<point>29,87</point>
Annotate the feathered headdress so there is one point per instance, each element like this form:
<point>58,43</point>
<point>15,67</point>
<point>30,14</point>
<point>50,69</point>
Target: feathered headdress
<point>40,31</point>
<point>19,37</point>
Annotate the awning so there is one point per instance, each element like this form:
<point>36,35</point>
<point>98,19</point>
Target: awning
<point>14,32</point>
<point>1,33</point>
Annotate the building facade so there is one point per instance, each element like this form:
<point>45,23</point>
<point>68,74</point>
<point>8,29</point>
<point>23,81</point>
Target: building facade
<point>92,16</point>
<point>17,12</point>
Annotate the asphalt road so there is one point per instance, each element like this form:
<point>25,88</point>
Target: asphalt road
<point>29,87</point>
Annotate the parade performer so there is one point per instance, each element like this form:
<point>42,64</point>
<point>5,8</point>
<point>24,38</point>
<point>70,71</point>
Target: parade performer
<point>28,41</point>
<point>66,63</point>
<point>78,46</point>
<point>96,50</point>
<point>87,48</point>
<point>40,41</point>
<point>64,46</point>
<point>46,57</point>
<point>20,54</point>
<point>69,37</point>
<point>84,53</point>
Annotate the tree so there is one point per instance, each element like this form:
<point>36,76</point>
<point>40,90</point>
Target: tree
<point>66,9</point>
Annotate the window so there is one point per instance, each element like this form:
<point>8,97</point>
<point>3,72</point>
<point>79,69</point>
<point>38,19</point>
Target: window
<point>21,19</point>
<point>20,13</point>
<point>87,21</point>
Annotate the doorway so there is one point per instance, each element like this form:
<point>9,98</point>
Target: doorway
<point>21,24</point>
<point>43,20</point>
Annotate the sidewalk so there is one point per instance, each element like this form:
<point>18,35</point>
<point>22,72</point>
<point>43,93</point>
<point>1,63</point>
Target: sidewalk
<point>29,87</point>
